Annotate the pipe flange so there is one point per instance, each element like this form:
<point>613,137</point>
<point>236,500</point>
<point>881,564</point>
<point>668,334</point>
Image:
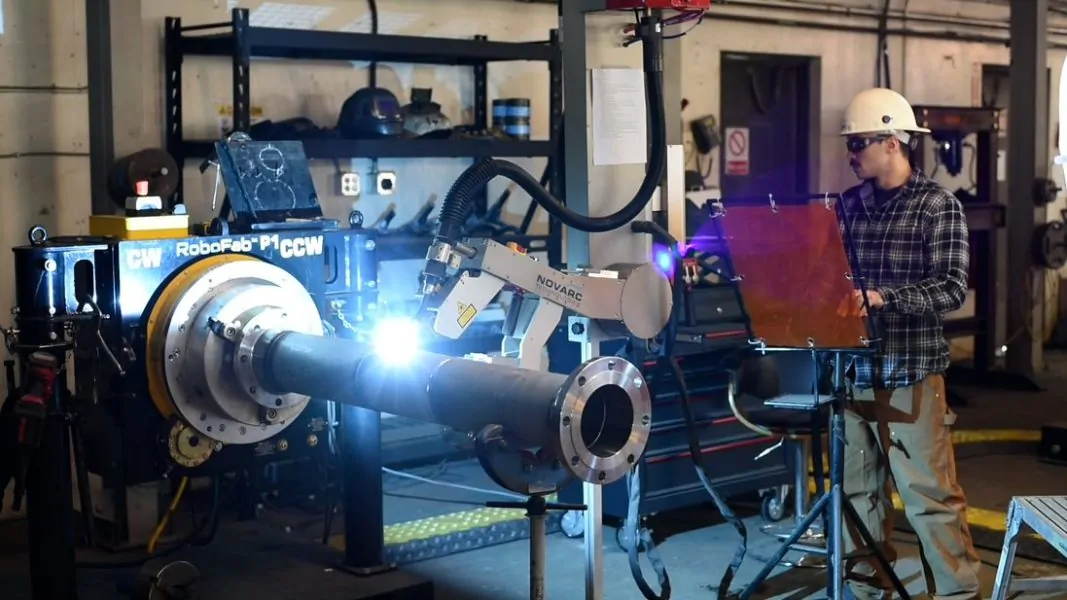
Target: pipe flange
<point>604,415</point>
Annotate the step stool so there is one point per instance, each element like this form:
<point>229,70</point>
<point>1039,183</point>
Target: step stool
<point>1047,516</point>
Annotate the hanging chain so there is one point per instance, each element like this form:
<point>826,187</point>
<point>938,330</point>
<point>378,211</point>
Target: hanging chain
<point>339,314</point>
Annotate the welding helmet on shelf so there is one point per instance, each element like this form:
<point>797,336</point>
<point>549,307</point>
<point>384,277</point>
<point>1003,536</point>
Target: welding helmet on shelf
<point>371,113</point>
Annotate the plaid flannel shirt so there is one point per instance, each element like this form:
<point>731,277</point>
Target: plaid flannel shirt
<point>913,249</point>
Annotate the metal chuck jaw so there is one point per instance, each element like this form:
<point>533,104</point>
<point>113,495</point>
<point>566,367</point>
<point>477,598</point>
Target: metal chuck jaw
<point>201,334</point>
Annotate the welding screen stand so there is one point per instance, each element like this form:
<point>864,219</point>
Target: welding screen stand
<point>834,508</point>
<point>537,512</point>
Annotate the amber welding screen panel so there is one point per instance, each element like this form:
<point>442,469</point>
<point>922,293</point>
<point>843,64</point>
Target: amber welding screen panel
<point>794,274</point>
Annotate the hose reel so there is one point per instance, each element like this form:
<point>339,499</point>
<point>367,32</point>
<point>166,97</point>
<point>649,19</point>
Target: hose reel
<point>153,165</point>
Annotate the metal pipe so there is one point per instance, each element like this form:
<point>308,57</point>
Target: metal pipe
<point>538,554</point>
<point>932,35</point>
<point>838,10</point>
<point>597,418</point>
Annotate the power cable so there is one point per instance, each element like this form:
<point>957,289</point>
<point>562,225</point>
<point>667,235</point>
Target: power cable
<point>433,499</point>
<point>460,200</point>
<point>455,486</point>
<point>372,69</point>
<point>666,361</point>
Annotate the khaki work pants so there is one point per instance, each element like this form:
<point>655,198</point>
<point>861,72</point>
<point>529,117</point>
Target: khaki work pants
<point>906,434</point>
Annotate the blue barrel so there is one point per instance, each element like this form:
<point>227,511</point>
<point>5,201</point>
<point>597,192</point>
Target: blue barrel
<point>512,116</point>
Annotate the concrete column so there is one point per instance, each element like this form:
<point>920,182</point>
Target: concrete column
<point>1028,143</point>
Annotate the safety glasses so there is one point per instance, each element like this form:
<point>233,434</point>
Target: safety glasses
<point>855,145</point>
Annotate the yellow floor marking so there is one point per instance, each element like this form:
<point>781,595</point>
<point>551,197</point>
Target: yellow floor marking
<point>992,520</point>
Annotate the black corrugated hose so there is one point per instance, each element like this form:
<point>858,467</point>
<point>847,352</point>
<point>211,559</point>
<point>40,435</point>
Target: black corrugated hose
<point>641,538</point>
<point>461,197</point>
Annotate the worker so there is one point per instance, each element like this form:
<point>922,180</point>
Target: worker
<point>910,238</point>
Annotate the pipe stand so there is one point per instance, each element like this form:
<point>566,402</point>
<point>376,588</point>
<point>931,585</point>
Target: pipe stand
<point>537,511</point>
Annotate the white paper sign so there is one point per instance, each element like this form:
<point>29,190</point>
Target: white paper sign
<point>620,117</point>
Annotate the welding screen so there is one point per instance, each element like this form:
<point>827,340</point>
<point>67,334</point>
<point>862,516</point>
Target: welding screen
<point>794,274</point>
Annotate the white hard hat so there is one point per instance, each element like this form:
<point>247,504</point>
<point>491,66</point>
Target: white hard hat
<point>880,110</point>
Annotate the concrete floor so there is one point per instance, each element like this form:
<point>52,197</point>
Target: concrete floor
<point>695,562</point>
<point>990,474</point>
<point>695,559</point>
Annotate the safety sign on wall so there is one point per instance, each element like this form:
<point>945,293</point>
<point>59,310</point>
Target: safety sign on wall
<point>736,149</point>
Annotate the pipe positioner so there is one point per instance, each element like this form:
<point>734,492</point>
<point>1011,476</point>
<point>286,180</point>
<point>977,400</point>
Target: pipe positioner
<point>241,349</point>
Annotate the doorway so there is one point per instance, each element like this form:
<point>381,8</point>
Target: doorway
<point>770,117</point>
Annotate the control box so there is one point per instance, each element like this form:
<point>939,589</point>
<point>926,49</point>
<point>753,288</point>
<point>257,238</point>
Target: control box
<point>659,4</point>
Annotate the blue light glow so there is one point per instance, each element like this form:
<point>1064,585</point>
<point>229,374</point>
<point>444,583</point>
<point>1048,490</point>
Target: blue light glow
<point>396,339</point>
<point>664,260</point>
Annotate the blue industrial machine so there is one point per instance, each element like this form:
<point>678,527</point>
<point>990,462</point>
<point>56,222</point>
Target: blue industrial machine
<point>124,301</point>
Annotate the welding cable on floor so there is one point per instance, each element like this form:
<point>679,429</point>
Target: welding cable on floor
<point>705,480</point>
<point>667,361</point>
<point>641,541</point>
<point>161,527</point>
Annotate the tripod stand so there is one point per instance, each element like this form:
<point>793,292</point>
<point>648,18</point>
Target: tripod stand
<point>834,508</point>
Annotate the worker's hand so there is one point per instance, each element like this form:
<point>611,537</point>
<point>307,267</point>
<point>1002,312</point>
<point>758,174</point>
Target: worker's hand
<point>852,306</point>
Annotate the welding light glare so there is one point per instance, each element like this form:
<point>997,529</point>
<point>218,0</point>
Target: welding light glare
<point>396,339</point>
<point>664,259</point>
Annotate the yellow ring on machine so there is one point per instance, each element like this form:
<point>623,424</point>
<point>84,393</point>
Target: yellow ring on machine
<point>159,320</point>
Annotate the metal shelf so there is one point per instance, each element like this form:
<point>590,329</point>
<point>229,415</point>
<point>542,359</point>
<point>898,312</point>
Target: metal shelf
<point>239,41</point>
<point>399,148</point>
<point>269,42</point>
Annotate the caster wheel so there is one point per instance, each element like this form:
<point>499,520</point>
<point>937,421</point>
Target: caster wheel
<point>772,509</point>
<point>572,523</point>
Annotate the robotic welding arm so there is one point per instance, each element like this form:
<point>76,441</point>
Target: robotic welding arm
<point>624,300</point>
<point>454,265</point>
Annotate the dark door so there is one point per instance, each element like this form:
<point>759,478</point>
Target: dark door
<point>769,112</point>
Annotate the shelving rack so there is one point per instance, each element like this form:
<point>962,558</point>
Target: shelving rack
<point>241,42</point>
